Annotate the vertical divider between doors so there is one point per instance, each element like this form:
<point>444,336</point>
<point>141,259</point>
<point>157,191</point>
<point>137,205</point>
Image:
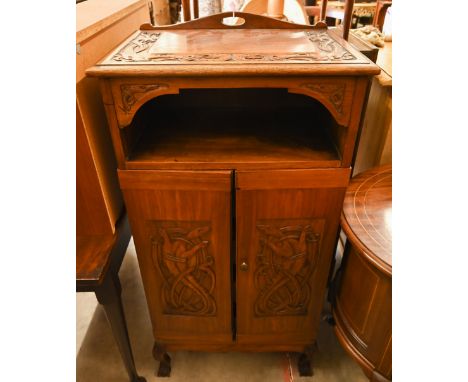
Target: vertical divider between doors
<point>233,256</point>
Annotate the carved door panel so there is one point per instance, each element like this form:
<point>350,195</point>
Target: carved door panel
<point>181,224</point>
<point>287,223</point>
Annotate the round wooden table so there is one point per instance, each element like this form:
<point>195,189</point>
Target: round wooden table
<point>362,306</point>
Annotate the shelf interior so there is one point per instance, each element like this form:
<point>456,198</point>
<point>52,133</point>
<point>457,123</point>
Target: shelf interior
<point>233,129</point>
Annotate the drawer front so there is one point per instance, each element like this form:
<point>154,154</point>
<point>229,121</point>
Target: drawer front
<point>180,222</point>
<point>287,222</point>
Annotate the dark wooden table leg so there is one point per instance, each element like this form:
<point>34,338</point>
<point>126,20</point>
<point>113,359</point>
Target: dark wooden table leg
<point>108,294</point>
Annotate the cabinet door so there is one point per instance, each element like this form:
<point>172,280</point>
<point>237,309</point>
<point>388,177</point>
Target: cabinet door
<point>180,222</point>
<point>287,223</point>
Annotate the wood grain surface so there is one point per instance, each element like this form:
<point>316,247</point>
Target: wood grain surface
<point>93,256</point>
<point>234,147</point>
<point>181,225</point>
<point>362,304</point>
<point>367,215</point>
<point>261,45</point>
<point>285,236</point>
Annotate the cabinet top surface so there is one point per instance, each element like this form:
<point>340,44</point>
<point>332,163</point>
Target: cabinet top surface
<point>259,46</point>
<point>367,215</point>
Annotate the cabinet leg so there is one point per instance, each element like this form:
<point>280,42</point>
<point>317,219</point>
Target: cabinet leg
<point>159,354</point>
<point>108,295</point>
<point>305,364</point>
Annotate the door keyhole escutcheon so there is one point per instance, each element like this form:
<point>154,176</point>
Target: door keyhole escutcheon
<point>244,267</point>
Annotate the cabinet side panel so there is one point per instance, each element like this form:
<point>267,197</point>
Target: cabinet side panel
<point>91,212</point>
<point>182,237</point>
<point>363,308</point>
<point>97,132</point>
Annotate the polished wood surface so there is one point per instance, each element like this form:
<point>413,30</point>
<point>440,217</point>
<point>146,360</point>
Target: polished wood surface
<point>285,241</point>
<point>380,12</point>
<point>243,95</point>
<point>367,215</point>
<point>367,49</point>
<point>182,138</point>
<point>91,214</point>
<point>342,97</point>
<point>102,229</point>
<point>93,257</point>
<point>233,159</point>
<point>93,16</point>
<point>101,25</point>
<point>375,143</point>
<point>286,49</point>
<point>98,260</point>
<point>182,231</point>
<point>362,307</point>
<point>348,14</point>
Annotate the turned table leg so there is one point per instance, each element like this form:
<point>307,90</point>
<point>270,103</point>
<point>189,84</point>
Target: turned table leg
<point>109,295</point>
<point>159,354</point>
<point>305,362</point>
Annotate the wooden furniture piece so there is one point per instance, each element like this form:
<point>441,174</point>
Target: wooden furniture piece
<point>100,26</point>
<point>380,12</point>
<point>338,10</point>
<point>292,10</point>
<point>233,200</point>
<point>375,142</point>
<point>362,307</point>
<point>368,50</point>
<point>102,229</point>
<point>98,260</point>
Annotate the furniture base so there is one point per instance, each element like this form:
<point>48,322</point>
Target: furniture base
<point>304,364</point>
<point>159,354</point>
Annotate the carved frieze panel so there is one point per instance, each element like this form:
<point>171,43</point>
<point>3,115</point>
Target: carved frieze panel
<point>329,48</point>
<point>333,92</point>
<point>213,47</point>
<point>182,254</point>
<point>132,93</point>
<point>286,258</point>
<point>134,51</point>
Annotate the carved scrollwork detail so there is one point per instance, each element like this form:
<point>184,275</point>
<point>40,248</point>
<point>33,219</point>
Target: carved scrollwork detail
<point>240,57</point>
<point>132,93</point>
<point>132,52</point>
<point>333,51</point>
<point>138,51</point>
<point>182,255</point>
<point>285,262</point>
<point>333,92</point>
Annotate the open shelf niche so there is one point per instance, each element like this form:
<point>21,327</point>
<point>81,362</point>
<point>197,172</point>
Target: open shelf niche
<point>203,129</point>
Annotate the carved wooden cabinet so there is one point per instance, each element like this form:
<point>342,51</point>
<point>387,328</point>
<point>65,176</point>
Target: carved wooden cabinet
<point>234,147</point>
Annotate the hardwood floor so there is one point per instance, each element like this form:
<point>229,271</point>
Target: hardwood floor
<point>98,358</point>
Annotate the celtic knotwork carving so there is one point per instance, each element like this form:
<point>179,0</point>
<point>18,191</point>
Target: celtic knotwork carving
<point>138,51</point>
<point>242,57</point>
<point>334,92</point>
<point>285,262</point>
<point>132,93</point>
<point>183,258</point>
<point>132,52</point>
<point>333,51</point>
